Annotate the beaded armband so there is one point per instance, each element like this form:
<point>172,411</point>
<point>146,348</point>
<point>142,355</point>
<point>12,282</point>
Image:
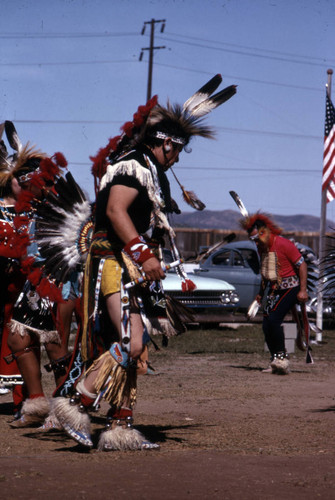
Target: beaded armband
<point>299,262</point>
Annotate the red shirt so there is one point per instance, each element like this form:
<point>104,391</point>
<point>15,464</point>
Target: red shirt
<point>287,254</point>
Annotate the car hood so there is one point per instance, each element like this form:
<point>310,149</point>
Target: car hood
<point>172,282</point>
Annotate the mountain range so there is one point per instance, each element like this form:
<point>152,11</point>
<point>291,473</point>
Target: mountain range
<point>229,219</point>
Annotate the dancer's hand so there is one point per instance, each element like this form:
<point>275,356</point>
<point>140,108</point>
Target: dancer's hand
<point>302,296</point>
<point>153,269</point>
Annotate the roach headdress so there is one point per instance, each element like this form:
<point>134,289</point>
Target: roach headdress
<point>175,121</point>
<point>258,220</point>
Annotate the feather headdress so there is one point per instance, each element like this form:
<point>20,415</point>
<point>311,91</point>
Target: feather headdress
<point>179,122</point>
<point>187,120</point>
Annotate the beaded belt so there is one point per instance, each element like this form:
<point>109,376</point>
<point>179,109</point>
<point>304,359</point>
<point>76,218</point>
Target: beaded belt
<point>289,282</point>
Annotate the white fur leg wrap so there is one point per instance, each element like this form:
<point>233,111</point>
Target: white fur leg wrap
<point>38,407</point>
<point>70,415</point>
<point>120,439</point>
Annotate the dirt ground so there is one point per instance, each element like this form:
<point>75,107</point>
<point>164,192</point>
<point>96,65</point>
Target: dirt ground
<point>226,430</point>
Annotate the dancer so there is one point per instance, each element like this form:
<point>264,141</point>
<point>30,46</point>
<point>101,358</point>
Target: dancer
<point>284,282</point>
<point>131,220</point>
<point>32,322</point>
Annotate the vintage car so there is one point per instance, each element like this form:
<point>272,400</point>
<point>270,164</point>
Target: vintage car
<point>238,264</point>
<point>211,301</point>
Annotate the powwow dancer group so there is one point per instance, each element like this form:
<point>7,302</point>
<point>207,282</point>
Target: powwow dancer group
<point>109,256</point>
<point>132,217</point>
<point>122,294</point>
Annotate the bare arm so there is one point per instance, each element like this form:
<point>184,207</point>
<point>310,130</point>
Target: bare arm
<point>302,271</point>
<point>119,201</point>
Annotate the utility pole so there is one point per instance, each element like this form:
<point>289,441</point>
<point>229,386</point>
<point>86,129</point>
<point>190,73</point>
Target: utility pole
<point>323,217</point>
<point>151,49</point>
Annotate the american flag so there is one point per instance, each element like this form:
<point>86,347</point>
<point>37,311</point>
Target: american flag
<point>328,173</point>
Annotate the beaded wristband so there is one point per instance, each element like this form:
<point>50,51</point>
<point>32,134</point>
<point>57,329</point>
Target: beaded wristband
<point>138,250</point>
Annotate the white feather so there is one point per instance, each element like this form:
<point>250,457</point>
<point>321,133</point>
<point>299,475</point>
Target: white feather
<point>239,203</point>
<point>202,94</point>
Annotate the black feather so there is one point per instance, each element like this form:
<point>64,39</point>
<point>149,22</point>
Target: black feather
<point>12,136</point>
<point>178,314</point>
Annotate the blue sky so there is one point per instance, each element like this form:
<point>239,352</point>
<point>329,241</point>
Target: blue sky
<point>71,76</point>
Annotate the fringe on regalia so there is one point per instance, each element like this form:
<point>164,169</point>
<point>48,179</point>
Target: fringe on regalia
<point>116,382</point>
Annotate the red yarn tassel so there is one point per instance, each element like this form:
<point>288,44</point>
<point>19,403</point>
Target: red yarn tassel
<point>188,285</point>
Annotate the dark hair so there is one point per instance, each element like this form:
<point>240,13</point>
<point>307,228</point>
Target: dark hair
<point>31,165</point>
<point>6,190</point>
<point>168,127</point>
<point>257,225</point>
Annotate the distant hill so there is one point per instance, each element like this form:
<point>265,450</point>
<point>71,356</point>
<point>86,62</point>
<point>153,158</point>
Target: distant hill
<point>229,219</point>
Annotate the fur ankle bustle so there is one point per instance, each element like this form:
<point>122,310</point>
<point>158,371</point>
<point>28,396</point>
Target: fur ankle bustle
<point>74,419</point>
<point>72,414</point>
<point>120,439</point>
<point>38,407</point>
<point>120,435</point>
<point>280,364</point>
<point>51,422</point>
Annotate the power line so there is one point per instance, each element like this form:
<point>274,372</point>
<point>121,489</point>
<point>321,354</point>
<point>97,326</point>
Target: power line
<point>69,122</point>
<point>123,34</point>
<point>240,52</point>
<point>309,57</point>
<point>241,78</point>
<point>237,49</point>
<point>71,63</point>
<point>267,132</point>
<point>225,129</point>
<point>287,85</point>
<point>181,68</point>
<point>66,35</point>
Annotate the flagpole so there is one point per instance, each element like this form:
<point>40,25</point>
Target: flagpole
<point>323,217</point>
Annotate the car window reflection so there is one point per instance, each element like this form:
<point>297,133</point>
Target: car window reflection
<point>222,259</point>
<point>237,259</point>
